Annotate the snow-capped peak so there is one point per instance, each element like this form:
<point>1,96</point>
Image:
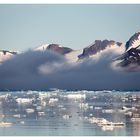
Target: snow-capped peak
<point>132,53</point>
<point>133,42</point>
<point>57,48</point>
<point>42,47</point>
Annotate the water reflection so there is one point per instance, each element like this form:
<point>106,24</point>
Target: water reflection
<point>70,113</point>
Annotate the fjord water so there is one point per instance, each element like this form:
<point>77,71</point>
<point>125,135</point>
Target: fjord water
<point>67,113</point>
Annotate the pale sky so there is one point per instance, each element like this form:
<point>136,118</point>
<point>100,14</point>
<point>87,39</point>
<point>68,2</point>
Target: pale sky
<point>75,26</point>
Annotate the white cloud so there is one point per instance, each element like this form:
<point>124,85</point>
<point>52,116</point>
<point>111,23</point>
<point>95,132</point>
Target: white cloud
<point>44,70</point>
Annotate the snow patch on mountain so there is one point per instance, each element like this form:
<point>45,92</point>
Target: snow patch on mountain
<point>42,47</point>
<point>73,55</point>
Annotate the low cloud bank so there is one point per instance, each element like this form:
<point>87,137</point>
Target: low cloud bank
<point>35,70</point>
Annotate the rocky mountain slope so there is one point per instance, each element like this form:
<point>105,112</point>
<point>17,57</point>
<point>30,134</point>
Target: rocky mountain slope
<point>132,53</point>
<point>98,46</point>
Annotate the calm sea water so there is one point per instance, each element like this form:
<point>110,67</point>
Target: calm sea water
<point>68,113</point>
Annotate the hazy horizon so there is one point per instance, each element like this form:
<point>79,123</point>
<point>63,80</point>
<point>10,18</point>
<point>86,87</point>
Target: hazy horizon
<point>71,25</point>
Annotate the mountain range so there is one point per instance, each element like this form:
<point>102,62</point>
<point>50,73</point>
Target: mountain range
<point>126,53</point>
